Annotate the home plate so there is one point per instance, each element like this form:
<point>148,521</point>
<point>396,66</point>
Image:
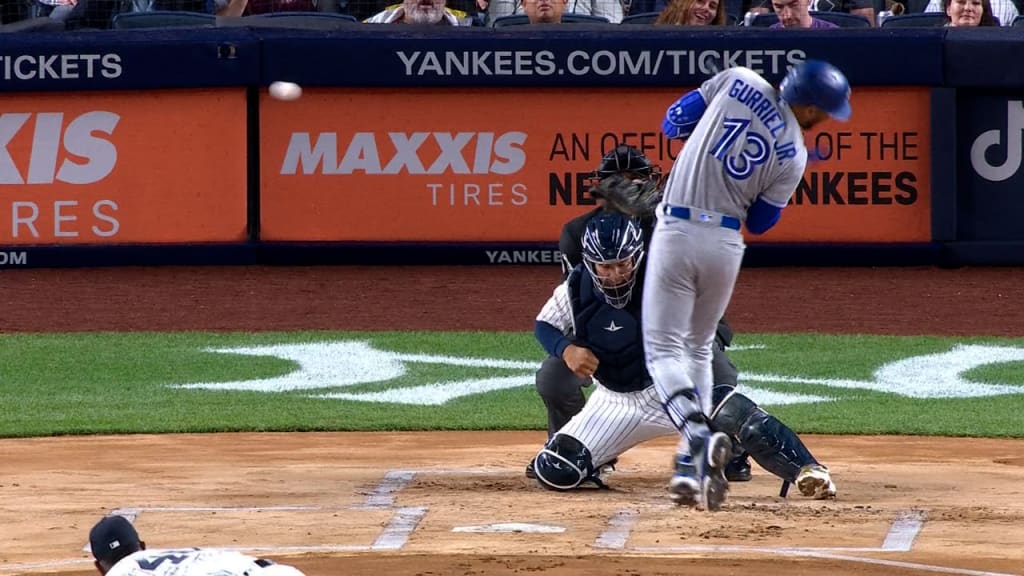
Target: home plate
<point>516,527</point>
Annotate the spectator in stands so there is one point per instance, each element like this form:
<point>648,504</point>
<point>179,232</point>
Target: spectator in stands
<point>693,13</point>
<point>55,9</point>
<point>975,12</point>
<point>611,10</point>
<point>865,8</point>
<point>420,12</point>
<point>797,14</point>
<point>545,11</point>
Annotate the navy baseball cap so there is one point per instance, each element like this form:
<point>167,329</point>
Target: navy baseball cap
<point>113,538</point>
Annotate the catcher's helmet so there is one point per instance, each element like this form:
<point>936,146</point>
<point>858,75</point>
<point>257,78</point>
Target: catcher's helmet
<point>819,84</point>
<point>615,241</point>
<point>626,159</point>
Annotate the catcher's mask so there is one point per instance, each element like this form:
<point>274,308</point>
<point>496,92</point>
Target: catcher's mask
<point>626,161</point>
<point>613,247</point>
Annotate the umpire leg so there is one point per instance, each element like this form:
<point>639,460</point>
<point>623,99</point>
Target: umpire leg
<point>562,392</point>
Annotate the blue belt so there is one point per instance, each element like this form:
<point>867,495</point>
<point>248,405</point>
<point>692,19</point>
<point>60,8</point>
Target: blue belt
<point>683,212</point>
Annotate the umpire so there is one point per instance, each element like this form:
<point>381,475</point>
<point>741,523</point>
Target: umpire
<point>559,388</point>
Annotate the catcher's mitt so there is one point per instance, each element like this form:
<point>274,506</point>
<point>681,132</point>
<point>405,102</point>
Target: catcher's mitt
<point>620,194</point>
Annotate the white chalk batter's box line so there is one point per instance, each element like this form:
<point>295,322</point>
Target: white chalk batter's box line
<point>404,520</point>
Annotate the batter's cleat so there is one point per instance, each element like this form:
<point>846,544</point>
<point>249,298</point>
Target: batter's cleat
<point>738,469</point>
<point>815,481</point>
<point>715,455</point>
<point>530,472</point>
<point>684,487</point>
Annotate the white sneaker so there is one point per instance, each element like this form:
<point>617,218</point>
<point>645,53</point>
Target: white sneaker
<point>815,481</point>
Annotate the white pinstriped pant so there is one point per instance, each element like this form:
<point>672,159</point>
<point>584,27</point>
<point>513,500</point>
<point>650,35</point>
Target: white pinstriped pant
<point>613,422</point>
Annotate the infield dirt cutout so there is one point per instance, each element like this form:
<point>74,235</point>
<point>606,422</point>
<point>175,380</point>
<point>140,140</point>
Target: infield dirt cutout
<point>457,503</point>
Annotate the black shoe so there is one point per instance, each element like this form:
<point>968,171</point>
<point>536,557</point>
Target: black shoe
<point>530,473</point>
<point>738,469</point>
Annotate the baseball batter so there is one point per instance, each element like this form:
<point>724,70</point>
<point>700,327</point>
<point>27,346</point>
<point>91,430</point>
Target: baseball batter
<point>119,551</point>
<point>742,162</point>
<point>590,328</point>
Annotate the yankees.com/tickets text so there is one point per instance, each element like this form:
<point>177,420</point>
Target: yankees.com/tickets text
<point>584,63</point>
<point>60,66</point>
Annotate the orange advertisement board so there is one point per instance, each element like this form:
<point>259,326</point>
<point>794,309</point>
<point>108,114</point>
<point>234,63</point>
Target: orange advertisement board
<point>123,167</point>
<point>501,165</point>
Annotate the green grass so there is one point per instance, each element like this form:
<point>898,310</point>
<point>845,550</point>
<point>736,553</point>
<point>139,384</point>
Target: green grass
<point>122,383</point>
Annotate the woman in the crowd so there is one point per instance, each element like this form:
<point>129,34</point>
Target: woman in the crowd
<point>694,13</point>
<point>966,13</point>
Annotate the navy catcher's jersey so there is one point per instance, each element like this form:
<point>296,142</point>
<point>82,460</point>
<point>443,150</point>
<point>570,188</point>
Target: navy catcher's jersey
<point>612,334</point>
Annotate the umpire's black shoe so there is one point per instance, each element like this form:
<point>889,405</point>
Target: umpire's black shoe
<point>738,469</point>
<point>530,472</point>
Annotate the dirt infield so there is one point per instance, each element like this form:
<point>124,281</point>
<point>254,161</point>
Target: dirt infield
<point>457,503</point>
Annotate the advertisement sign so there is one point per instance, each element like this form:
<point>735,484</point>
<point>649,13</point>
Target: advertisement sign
<point>625,56</point>
<point>487,165</point>
<point>117,168</point>
<point>992,174</point>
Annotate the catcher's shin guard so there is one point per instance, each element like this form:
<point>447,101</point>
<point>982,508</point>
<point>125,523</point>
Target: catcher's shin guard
<point>769,442</point>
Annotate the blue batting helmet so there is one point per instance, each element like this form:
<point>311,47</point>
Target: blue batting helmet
<point>819,84</point>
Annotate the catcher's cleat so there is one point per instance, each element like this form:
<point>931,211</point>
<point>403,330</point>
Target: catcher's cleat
<point>714,486</point>
<point>530,472</point>
<point>738,469</point>
<point>815,481</point>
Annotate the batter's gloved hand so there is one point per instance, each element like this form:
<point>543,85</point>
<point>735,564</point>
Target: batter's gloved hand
<point>632,198</point>
<point>580,360</point>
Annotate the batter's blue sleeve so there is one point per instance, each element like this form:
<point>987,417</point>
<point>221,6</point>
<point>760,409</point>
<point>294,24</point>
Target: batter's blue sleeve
<point>550,338</point>
<point>683,115</point>
<point>762,216</point>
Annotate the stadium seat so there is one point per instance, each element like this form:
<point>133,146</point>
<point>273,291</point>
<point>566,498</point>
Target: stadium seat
<point>168,6</point>
<point>921,20</point>
<point>763,20</point>
<point>520,19</point>
<point>303,20</point>
<point>641,18</point>
<point>163,19</point>
<point>841,19</point>
<point>40,24</point>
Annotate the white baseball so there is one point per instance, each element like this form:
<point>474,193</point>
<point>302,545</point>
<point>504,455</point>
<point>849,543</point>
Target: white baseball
<point>285,90</point>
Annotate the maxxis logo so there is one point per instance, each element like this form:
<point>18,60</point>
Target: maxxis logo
<point>89,153</point>
<point>1009,167</point>
<point>326,369</point>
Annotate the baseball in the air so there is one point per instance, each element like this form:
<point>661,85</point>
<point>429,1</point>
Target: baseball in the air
<point>285,90</point>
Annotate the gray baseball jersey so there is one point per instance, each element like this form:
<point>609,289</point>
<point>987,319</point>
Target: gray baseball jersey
<point>756,140</point>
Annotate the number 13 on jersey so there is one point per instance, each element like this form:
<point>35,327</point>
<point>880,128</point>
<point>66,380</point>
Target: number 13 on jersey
<point>754,152</point>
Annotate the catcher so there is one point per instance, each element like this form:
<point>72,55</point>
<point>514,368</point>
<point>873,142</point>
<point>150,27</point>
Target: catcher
<point>561,390</point>
<point>562,376</point>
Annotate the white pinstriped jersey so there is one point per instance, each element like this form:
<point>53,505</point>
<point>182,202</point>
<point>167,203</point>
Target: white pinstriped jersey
<point>747,143</point>
<point>196,562</point>
<point>557,311</point>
